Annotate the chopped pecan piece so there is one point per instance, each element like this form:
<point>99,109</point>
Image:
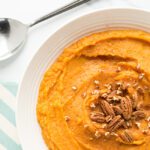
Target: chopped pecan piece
<point>115,123</point>
<point>138,124</point>
<point>67,118</point>
<point>119,92</point>
<point>118,69</point>
<point>138,67</point>
<point>113,93</point>
<point>135,84</point>
<point>97,87</point>
<point>140,106</point>
<point>97,82</point>
<point>148,119</point>
<point>114,134</point>
<point>117,110</point>
<point>107,108</point>
<point>126,137</point>
<point>95,92</point>
<point>108,86</point>
<point>97,134</point>
<point>92,105</point>
<point>97,117</point>
<point>141,76</point>
<point>114,98</point>
<point>104,95</point>
<point>146,131</point>
<point>108,118</point>
<point>140,90</point>
<point>139,114</point>
<point>126,106</point>
<point>119,84</point>
<point>83,94</point>
<point>107,134</point>
<point>127,124</point>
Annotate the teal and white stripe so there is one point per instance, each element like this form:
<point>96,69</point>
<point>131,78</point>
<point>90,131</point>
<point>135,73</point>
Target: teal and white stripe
<point>8,132</point>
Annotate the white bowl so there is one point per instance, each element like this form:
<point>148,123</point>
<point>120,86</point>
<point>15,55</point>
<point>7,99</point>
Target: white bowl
<point>28,128</point>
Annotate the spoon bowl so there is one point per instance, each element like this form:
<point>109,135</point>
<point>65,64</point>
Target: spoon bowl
<point>12,37</point>
<point>13,33</point>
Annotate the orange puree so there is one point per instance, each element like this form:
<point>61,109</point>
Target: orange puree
<point>96,96</point>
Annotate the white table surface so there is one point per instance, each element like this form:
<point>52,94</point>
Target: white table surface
<point>28,10</point>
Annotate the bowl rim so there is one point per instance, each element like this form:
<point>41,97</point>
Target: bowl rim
<point>64,25</point>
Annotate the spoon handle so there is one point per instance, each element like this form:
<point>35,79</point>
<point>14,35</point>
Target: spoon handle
<point>59,11</point>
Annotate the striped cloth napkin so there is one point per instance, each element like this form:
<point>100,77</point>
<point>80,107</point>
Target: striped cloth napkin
<point>8,132</point>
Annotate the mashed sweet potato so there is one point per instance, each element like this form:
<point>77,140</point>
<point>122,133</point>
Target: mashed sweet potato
<point>96,96</point>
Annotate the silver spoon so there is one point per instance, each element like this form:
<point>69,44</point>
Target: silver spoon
<point>13,33</point>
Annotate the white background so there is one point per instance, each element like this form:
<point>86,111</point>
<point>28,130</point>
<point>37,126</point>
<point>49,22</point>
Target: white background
<point>28,10</point>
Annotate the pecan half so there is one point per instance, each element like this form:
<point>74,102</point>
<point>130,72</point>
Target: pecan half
<point>146,107</point>
<point>118,125</point>
<point>126,137</point>
<point>125,125</point>
<point>97,117</point>
<point>134,100</point>
<point>110,96</point>
<point>139,114</point>
<point>125,86</point>
<point>107,108</point>
<point>115,123</point>
<point>126,106</point>
<point>117,110</point>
